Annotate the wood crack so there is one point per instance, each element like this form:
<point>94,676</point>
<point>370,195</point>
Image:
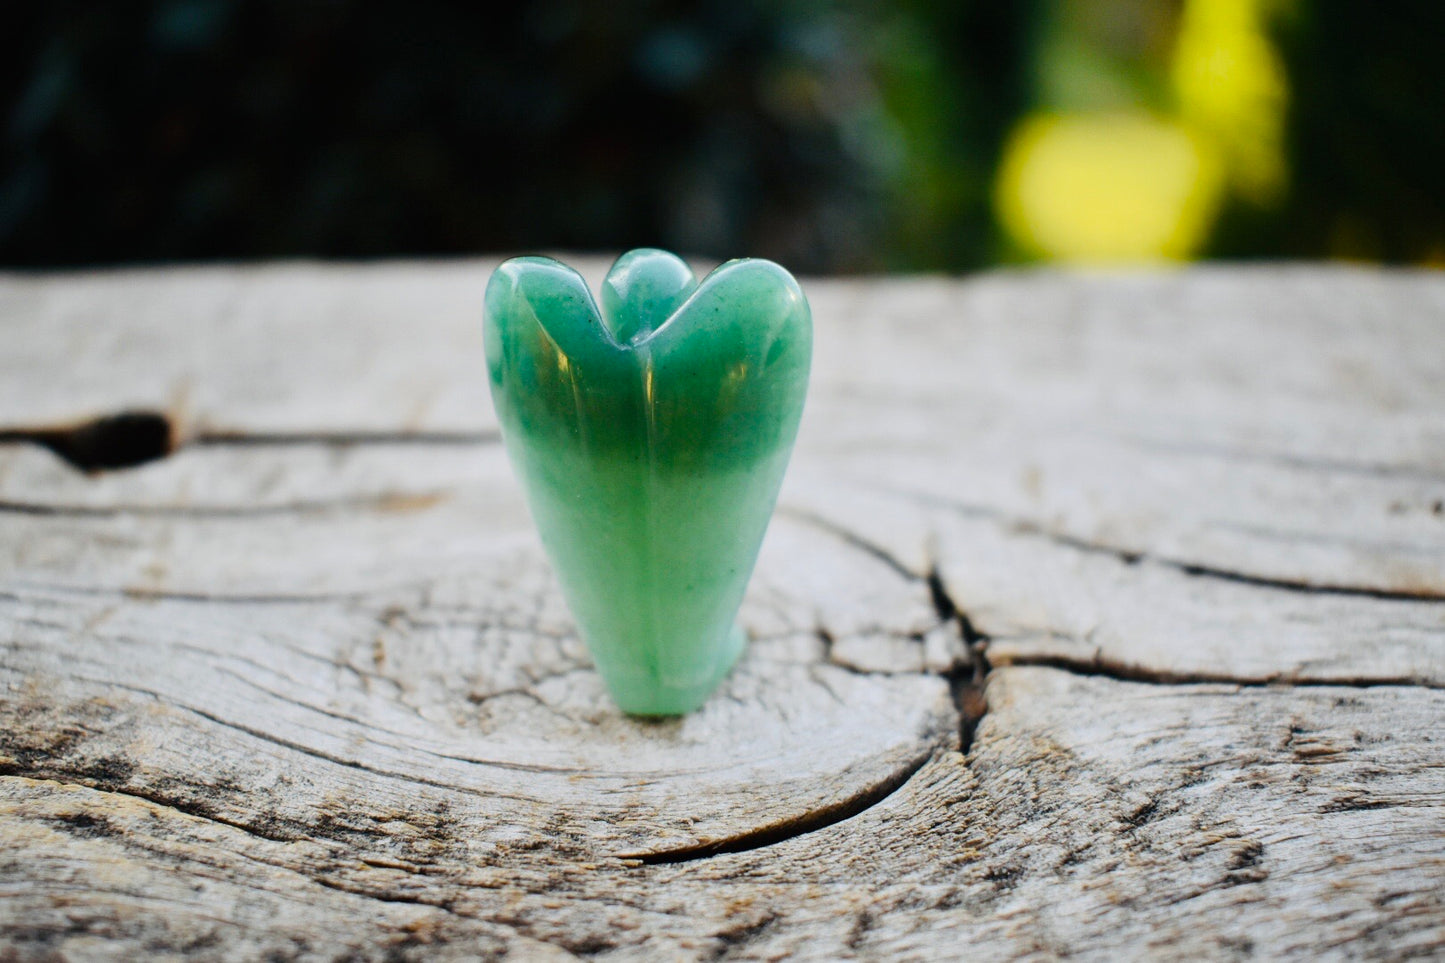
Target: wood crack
<point>126,439</point>
<point>842,534</point>
<point>1026,527</point>
<point>1124,672</point>
<point>341,439</point>
<point>967,677</point>
<point>374,728</point>
<point>967,680</point>
<point>1290,585</point>
<point>161,595</point>
<point>1287,460</point>
<point>383,502</point>
<point>780,832</point>
<point>203,813</point>
<point>331,882</point>
<point>60,777</point>
<point>340,760</point>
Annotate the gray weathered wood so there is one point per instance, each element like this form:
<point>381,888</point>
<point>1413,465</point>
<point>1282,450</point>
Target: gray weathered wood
<point>305,688</point>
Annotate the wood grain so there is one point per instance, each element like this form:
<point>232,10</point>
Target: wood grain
<point>1102,616</point>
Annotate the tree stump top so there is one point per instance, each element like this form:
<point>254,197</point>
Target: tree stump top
<point>1102,614</point>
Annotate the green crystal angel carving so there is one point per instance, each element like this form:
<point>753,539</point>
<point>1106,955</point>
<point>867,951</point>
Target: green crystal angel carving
<point>651,437</point>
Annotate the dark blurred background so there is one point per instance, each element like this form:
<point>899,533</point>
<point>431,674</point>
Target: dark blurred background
<point>833,137</point>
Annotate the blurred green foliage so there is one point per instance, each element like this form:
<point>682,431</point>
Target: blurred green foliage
<point>829,136</point>
<point>1366,134</point>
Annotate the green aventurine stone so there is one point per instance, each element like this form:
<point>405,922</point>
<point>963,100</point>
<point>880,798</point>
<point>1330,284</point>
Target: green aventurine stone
<point>651,437</point>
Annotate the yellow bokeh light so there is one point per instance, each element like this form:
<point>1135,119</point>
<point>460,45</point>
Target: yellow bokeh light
<point>1108,187</point>
<point>1230,86</point>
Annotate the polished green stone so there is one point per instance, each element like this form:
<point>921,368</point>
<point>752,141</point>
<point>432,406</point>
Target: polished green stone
<point>651,436</point>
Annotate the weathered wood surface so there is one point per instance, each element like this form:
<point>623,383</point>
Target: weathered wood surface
<point>304,689</point>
